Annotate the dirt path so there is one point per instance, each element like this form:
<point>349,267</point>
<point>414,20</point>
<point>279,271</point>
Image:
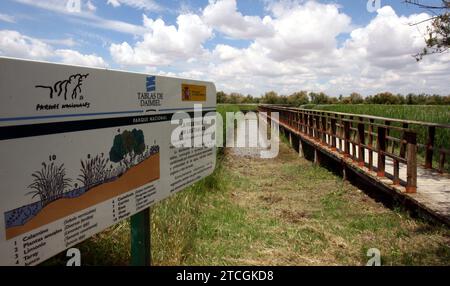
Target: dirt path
<point>285,211</point>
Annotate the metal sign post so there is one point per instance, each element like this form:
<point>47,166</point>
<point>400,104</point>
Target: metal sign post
<point>140,239</point>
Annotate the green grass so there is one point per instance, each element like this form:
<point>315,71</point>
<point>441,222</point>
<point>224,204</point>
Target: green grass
<point>428,113</point>
<point>288,211</point>
<point>237,107</point>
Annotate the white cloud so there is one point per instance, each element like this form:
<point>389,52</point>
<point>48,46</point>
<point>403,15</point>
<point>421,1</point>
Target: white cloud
<point>52,5</point>
<point>148,5</point>
<point>388,39</point>
<point>117,26</point>
<point>14,44</point>
<point>226,53</point>
<point>224,16</point>
<point>305,29</point>
<point>7,18</point>
<point>303,54</point>
<point>293,47</point>
<point>74,57</point>
<point>302,48</point>
<point>379,57</point>
<point>163,44</point>
<point>68,42</point>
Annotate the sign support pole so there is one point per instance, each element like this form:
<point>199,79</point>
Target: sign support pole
<point>140,239</point>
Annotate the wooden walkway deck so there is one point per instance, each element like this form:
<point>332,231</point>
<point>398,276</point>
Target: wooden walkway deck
<point>432,193</point>
<point>433,188</point>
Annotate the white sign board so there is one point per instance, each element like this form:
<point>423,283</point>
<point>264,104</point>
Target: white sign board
<point>82,149</point>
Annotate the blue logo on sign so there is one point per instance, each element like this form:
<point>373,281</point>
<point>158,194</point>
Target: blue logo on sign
<point>151,83</point>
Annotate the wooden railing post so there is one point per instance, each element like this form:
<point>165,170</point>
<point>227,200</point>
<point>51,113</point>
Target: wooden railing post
<point>317,135</point>
<point>361,142</point>
<point>346,138</point>
<point>441,161</point>
<point>303,122</point>
<point>333,134</point>
<point>411,158</point>
<point>353,144</point>
<point>396,180</point>
<point>324,129</point>
<point>299,121</point>
<point>341,132</point>
<point>429,146</point>
<point>370,143</point>
<point>388,133</point>
<point>381,148</point>
<point>403,142</point>
<point>306,121</point>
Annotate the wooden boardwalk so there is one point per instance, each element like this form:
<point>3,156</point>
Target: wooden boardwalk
<point>431,187</point>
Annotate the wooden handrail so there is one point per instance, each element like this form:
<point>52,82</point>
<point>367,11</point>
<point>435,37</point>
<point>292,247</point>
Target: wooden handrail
<point>422,123</point>
<point>428,147</point>
<point>355,137</point>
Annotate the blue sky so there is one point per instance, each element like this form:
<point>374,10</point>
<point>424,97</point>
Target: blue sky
<point>247,46</point>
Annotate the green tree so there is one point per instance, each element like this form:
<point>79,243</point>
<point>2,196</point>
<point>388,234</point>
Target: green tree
<point>319,98</point>
<point>333,100</point>
<point>356,98</point>
<point>384,98</point>
<point>270,97</point>
<point>235,98</point>
<point>298,98</point>
<point>248,99</point>
<point>222,97</point>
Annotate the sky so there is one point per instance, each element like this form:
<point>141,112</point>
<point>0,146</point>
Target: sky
<point>245,46</point>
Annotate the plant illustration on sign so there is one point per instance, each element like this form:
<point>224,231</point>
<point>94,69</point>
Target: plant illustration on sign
<point>94,170</point>
<point>130,164</point>
<point>49,183</point>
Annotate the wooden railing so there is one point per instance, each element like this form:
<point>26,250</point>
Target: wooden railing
<point>357,136</point>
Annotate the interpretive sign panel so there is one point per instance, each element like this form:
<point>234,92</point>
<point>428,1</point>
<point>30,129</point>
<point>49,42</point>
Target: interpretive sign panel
<point>82,149</point>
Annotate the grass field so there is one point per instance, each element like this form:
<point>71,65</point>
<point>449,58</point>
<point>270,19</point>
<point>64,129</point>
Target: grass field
<point>427,113</point>
<point>236,107</point>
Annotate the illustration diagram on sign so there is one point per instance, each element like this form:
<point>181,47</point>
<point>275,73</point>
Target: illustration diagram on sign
<point>129,164</point>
